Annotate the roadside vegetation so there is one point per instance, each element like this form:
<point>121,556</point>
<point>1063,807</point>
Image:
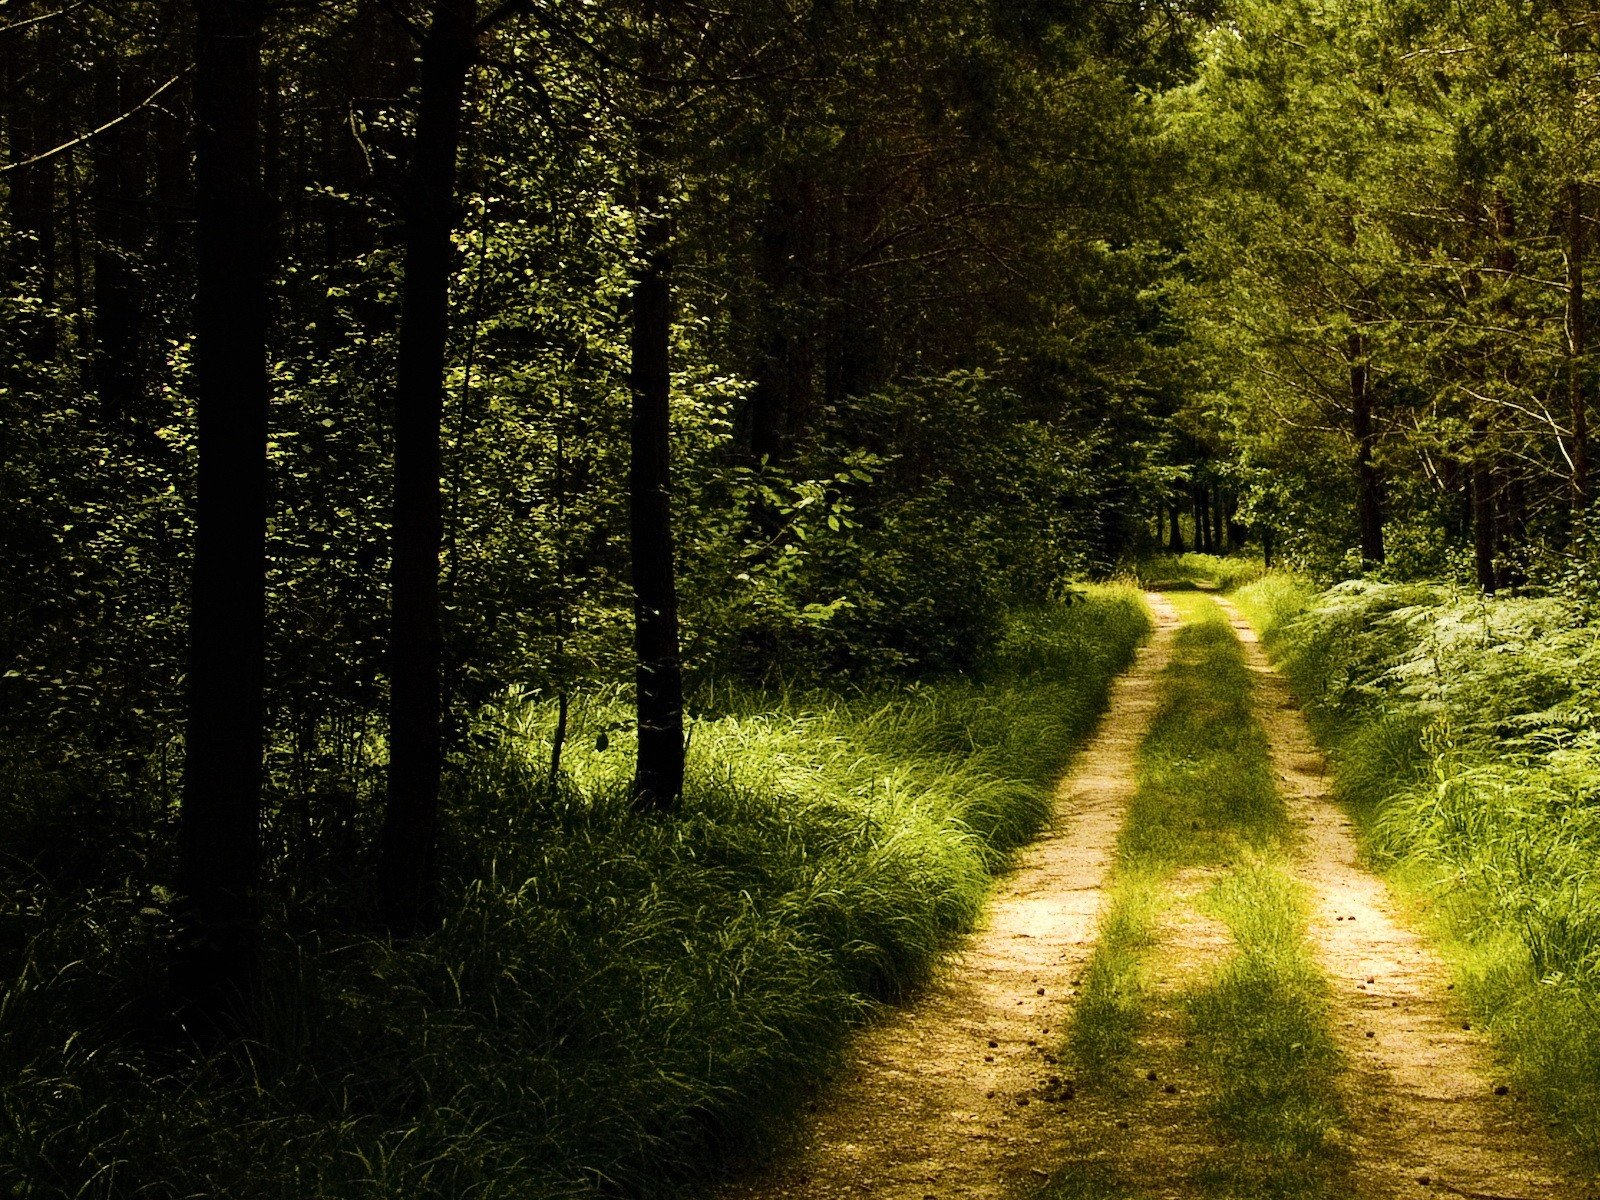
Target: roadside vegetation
<point>1462,731</point>
<point>1257,1025</point>
<point>610,1000</point>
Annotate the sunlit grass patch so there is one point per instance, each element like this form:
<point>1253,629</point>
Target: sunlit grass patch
<point>1178,572</point>
<point>1205,782</point>
<point>1113,997</point>
<point>1261,1023</point>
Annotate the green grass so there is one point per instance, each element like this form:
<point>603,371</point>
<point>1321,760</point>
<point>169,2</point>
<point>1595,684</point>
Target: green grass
<point>1261,1024</point>
<point>1462,733</point>
<point>1207,798</point>
<point>614,1004</point>
<point>1183,572</point>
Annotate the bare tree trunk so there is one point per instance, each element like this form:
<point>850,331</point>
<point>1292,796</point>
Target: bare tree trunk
<point>1175,546</point>
<point>219,840</point>
<point>1369,496</point>
<point>408,883</point>
<point>1576,345</point>
<point>658,780</point>
<point>1483,524</point>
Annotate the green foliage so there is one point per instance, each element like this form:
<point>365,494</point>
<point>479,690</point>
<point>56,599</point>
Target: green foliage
<point>612,1002</point>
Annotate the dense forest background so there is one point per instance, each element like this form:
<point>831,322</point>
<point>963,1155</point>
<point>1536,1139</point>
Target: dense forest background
<point>420,423</point>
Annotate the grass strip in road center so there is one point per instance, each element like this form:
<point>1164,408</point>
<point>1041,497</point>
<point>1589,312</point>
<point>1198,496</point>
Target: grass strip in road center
<point>1256,1029</point>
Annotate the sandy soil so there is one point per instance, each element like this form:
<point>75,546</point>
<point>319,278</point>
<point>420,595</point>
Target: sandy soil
<point>957,1094</point>
<point>1428,1107</point>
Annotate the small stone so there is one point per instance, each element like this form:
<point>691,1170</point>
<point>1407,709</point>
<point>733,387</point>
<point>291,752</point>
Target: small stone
<point>1371,1034</point>
<point>1023,1101</point>
<point>1171,1089</point>
<point>1372,979</point>
<point>988,1058</point>
<point>989,1095</point>
<point>993,1045</point>
<point>1040,992</point>
<point>1151,1076</point>
<point>1424,1180</point>
<point>1502,1090</point>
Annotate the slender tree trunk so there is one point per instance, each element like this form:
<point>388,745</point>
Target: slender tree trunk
<point>407,885</point>
<point>1576,344</point>
<point>1369,494</point>
<point>219,851</point>
<point>658,780</point>
<point>1483,530</point>
<point>1175,546</point>
<point>1219,531</point>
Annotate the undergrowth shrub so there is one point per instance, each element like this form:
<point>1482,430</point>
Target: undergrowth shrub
<point>613,1004</point>
<point>1466,733</point>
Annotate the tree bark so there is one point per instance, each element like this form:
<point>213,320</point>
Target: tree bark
<point>1175,546</point>
<point>1576,345</point>
<point>1369,494</point>
<point>658,777</point>
<point>408,884</point>
<point>219,851</point>
<point>1483,531</point>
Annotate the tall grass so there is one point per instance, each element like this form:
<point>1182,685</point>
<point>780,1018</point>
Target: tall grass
<point>1465,732</point>
<point>614,1004</point>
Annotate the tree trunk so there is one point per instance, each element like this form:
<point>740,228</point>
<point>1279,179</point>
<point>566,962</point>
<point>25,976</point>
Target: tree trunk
<point>1175,546</point>
<point>1576,344</point>
<point>219,851</point>
<point>408,883</point>
<point>1483,531</point>
<point>1369,495</point>
<point>658,780</point>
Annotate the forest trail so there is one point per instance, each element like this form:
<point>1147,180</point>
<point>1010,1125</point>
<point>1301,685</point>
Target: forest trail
<point>952,1095</point>
<point>960,1094</point>
<point>1422,1091</point>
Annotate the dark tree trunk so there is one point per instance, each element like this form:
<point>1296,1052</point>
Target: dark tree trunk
<point>1219,532</point>
<point>1483,530</point>
<point>407,885</point>
<point>1175,546</point>
<point>1202,528</point>
<point>1369,493</point>
<point>219,851</point>
<point>658,780</point>
<point>1576,344</point>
